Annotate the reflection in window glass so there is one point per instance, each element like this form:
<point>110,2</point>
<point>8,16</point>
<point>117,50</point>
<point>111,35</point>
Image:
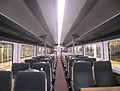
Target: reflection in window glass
<point>42,51</point>
<point>6,56</point>
<point>49,51</point>
<point>80,51</point>
<point>70,51</point>
<point>27,51</point>
<point>39,51</point>
<point>114,52</point>
<point>98,50</point>
<point>89,50</point>
<point>93,50</point>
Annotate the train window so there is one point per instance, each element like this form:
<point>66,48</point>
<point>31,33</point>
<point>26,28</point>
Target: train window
<point>48,51</point>
<point>27,51</point>
<point>43,51</point>
<point>98,50</point>
<point>79,50</point>
<point>6,51</point>
<point>89,50</point>
<point>93,50</point>
<point>39,51</point>
<point>114,53</point>
<point>70,51</point>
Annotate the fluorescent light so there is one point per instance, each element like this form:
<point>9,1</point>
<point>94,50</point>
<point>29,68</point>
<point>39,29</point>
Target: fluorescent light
<point>60,13</point>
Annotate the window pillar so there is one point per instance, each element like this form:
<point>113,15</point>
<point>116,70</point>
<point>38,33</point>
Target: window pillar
<point>84,49</point>
<point>95,51</point>
<point>16,52</point>
<point>105,54</point>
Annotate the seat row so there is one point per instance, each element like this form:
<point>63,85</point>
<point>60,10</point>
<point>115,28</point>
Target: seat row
<point>24,81</point>
<point>45,59</point>
<point>83,75</point>
<point>16,67</point>
<point>70,59</point>
<point>30,65</point>
<point>49,59</point>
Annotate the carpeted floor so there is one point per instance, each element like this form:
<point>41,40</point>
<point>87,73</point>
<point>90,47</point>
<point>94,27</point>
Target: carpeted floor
<point>60,82</point>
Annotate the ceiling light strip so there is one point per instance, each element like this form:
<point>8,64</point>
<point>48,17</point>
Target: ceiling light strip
<point>60,14</point>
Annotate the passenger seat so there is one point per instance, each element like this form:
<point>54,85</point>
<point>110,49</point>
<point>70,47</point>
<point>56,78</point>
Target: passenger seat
<point>47,68</point>
<point>19,67</point>
<point>30,81</point>
<point>82,75</point>
<point>103,74</point>
<point>5,80</point>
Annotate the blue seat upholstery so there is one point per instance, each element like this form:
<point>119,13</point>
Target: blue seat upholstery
<point>70,65</point>
<point>103,74</point>
<point>30,81</point>
<point>82,75</point>
<point>5,80</point>
<point>47,69</point>
<point>19,67</point>
<point>92,60</point>
<point>31,61</point>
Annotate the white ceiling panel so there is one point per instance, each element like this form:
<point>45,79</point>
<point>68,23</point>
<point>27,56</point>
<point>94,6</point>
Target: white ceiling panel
<point>49,11</point>
<point>72,9</point>
<point>19,13</point>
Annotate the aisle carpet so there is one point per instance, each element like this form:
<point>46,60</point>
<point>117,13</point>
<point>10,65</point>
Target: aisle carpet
<point>60,82</point>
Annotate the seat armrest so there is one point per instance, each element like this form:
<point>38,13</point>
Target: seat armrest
<point>71,83</point>
<point>64,67</point>
<point>53,80</point>
<point>51,88</point>
<point>45,84</point>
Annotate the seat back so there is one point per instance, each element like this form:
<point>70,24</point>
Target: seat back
<point>5,80</point>
<point>47,69</point>
<point>103,74</point>
<point>92,60</point>
<point>31,61</point>
<point>47,60</point>
<point>38,58</point>
<point>70,64</point>
<point>19,67</point>
<point>82,75</point>
<point>30,81</point>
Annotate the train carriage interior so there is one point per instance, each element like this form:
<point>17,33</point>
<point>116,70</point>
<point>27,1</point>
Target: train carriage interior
<point>59,45</point>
